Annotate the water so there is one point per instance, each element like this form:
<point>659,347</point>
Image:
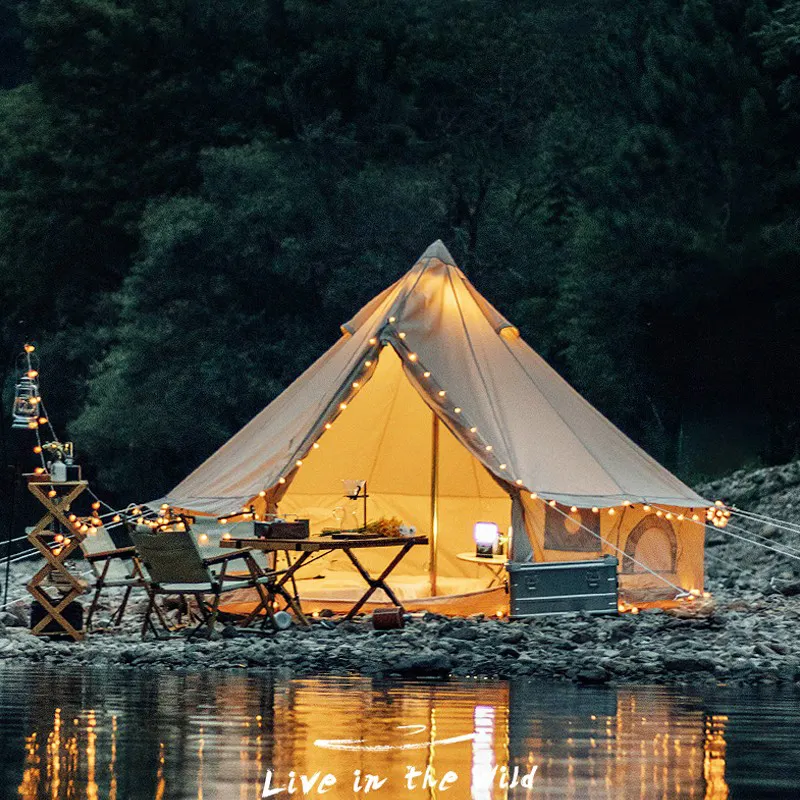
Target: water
<point>125,735</point>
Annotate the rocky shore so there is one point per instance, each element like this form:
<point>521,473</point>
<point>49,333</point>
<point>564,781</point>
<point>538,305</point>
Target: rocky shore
<point>746,635</point>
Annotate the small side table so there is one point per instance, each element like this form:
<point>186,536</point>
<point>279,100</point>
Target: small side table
<point>496,565</point>
<point>41,538</point>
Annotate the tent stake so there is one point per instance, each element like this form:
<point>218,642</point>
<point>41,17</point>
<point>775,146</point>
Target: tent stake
<point>434,503</point>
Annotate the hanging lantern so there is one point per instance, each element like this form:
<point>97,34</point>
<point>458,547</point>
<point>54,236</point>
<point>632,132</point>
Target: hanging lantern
<point>26,400</point>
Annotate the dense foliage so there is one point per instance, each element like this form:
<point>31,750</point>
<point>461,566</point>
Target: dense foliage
<point>195,193</point>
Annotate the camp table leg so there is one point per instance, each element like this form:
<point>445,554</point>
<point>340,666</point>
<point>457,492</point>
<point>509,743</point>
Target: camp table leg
<point>278,588</point>
<point>376,583</point>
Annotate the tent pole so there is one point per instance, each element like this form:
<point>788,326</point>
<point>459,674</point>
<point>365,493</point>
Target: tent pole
<point>434,541</point>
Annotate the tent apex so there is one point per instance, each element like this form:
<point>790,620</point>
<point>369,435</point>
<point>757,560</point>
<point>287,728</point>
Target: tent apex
<point>438,251</point>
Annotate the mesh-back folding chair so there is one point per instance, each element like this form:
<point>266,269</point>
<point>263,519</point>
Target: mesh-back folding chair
<point>175,566</point>
<point>113,567</point>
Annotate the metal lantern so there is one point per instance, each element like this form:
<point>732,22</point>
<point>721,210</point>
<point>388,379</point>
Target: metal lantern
<point>25,411</point>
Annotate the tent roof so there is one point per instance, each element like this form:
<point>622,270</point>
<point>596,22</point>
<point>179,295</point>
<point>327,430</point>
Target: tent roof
<point>525,424</point>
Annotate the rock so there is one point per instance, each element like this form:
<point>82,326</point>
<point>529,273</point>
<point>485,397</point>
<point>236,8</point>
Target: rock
<point>424,664</point>
<point>592,675</point>
<point>790,589</point>
<point>11,620</point>
<point>468,634</point>
<point>675,663</point>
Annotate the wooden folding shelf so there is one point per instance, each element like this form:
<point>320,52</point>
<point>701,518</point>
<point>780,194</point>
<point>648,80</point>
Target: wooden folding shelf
<point>55,567</point>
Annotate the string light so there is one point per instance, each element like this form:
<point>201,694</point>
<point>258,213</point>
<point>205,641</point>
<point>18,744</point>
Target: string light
<point>281,480</point>
<point>534,496</point>
<point>402,335</point>
<point>29,348</point>
<point>342,406</point>
<point>37,449</point>
<point>426,374</point>
<point>373,341</point>
<point>412,356</point>
<point>473,429</point>
<point>457,409</point>
<point>442,393</point>
<point>315,445</point>
<point>611,512</point>
<point>718,515</point>
<point>392,319</point>
<point>356,385</point>
<point>518,481</point>
<point>262,493</point>
<point>367,363</point>
<point>328,426</point>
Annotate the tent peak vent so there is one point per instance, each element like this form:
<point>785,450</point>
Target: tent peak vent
<point>439,251</point>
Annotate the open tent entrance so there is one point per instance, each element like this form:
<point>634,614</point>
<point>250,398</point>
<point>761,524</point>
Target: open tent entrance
<point>389,437</point>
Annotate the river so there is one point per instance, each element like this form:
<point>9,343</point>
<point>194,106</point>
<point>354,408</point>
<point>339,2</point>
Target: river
<point>128,734</point>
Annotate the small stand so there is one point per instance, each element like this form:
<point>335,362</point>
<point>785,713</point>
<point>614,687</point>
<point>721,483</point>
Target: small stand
<point>359,489</point>
<point>55,561</point>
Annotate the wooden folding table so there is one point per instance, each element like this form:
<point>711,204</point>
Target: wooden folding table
<point>326,544</point>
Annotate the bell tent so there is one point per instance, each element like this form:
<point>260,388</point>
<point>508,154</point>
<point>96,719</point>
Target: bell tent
<point>432,398</point>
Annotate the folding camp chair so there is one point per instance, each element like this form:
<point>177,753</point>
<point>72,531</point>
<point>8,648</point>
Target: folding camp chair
<point>113,567</point>
<point>175,566</point>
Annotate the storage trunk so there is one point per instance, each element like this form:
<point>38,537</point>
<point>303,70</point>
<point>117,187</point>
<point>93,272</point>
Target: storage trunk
<point>558,587</point>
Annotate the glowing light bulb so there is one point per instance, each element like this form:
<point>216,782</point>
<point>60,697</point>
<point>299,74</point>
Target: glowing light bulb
<point>37,449</point>
<point>38,470</point>
<point>552,503</point>
<point>426,374</point>
<point>223,521</point>
<point>489,448</point>
<point>328,426</point>
<point>611,512</point>
<point>595,510</point>
<point>226,536</point>
<point>281,480</point>
<point>646,508</point>
<point>518,481</point>
<point>262,493</point>
<point>96,505</point>
<point>31,373</point>
<point>42,420</point>
<point>315,445</point>
<point>473,429</point>
<point>116,518</point>
<point>534,496</point>
<point>402,335</point>
<point>573,509</point>
<point>442,393</point>
<point>29,348</point>
<point>412,356</point>
<point>392,319</point>
<point>457,409</point>
<point>203,537</point>
<point>356,385</point>
<point>367,363</point>
<point>373,340</point>
<point>51,493</point>
<point>342,406</point>
<point>503,466</point>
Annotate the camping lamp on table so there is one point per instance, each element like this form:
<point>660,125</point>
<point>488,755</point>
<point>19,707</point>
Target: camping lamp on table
<point>487,537</point>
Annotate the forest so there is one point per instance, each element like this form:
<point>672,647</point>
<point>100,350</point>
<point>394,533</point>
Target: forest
<point>195,194</point>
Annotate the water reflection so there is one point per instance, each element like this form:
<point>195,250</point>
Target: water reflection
<point>133,735</point>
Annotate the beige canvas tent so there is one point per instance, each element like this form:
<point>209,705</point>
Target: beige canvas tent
<point>431,396</point>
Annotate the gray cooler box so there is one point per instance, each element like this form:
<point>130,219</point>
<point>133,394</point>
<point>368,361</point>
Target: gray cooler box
<point>559,587</point>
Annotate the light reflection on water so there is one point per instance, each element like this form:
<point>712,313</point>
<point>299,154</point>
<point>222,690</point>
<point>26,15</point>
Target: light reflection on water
<point>212,736</point>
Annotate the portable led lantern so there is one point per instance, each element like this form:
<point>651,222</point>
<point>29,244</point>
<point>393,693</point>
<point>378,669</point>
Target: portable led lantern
<point>486,535</point>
